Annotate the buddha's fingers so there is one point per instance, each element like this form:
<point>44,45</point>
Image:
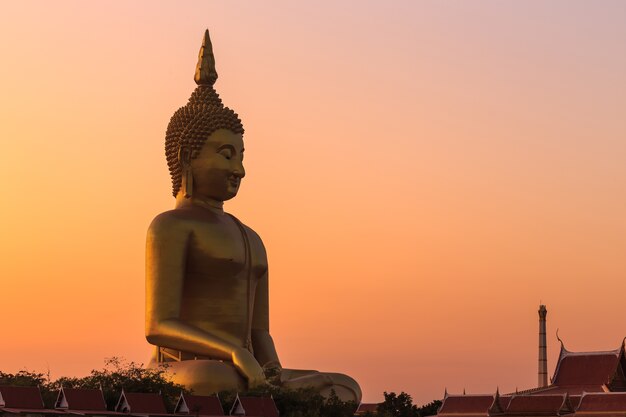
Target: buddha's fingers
<point>316,381</point>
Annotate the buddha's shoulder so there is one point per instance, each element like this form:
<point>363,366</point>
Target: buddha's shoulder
<point>172,221</point>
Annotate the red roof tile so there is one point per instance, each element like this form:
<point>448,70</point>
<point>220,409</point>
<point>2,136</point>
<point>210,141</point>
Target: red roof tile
<point>574,400</point>
<point>505,400</point>
<point>31,411</point>
<point>466,404</point>
<point>144,403</point>
<point>259,406</point>
<point>21,397</point>
<point>201,405</point>
<point>569,389</point>
<point>606,401</point>
<point>83,399</point>
<point>545,404</point>
<point>585,368</point>
<point>365,407</point>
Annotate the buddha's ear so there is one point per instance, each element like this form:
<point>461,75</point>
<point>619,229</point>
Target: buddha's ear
<point>184,156</point>
<point>184,159</point>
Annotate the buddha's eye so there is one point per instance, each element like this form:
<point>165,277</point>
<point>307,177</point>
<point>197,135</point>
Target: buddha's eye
<point>226,153</point>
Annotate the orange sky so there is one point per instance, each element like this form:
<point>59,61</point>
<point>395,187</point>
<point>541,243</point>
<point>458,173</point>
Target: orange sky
<point>422,174</point>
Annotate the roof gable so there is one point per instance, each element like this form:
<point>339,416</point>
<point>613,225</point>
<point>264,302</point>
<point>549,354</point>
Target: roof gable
<point>80,399</point>
<point>466,404</point>
<point>254,406</point>
<point>606,401</point>
<point>140,403</point>
<point>199,405</point>
<point>586,368</point>
<point>21,397</point>
<point>365,407</point>
<point>539,404</point>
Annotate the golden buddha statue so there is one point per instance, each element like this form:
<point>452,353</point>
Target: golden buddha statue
<point>207,309</point>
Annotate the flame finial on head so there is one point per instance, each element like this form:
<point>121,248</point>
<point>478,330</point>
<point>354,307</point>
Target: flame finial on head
<point>192,124</point>
<point>205,69</point>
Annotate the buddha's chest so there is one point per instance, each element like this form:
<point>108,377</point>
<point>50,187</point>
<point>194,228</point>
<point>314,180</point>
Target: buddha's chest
<point>221,251</point>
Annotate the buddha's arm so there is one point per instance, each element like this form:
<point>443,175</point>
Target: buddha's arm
<point>264,349</point>
<point>166,250</point>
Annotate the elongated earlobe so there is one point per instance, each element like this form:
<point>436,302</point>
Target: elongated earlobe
<point>184,158</point>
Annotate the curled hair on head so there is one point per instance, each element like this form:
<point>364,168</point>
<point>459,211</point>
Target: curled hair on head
<point>191,125</point>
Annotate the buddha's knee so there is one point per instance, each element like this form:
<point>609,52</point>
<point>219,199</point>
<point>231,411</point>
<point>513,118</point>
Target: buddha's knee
<point>205,376</point>
<point>345,387</point>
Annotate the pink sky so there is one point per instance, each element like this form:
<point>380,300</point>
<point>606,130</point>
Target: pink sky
<point>423,174</point>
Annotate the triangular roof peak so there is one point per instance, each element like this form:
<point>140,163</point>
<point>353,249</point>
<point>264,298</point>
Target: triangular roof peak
<point>496,407</point>
<point>237,408</point>
<point>254,406</point>
<point>61,401</point>
<point>199,405</point>
<point>144,403</point>
<point>21,397</point>
<point>586,368</point>
<point>80,399</point>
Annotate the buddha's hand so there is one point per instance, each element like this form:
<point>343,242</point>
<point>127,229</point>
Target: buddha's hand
<point>273,371</point>
<point>248,366</point>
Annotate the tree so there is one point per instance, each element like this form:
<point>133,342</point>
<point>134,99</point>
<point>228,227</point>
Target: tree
<point>397,405</point>
<point>303,402</point>
<point>118,374</point>
<point>430,409</point>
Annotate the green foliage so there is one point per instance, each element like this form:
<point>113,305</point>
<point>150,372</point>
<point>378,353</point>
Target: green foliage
<point>334,407</point>
<point>25,378</point>
<point>118,374</point>
<point>401,405</point>
<point>295,403</point>
<point>397,405</point>
<point>115,375</point>
<point>430,409</point>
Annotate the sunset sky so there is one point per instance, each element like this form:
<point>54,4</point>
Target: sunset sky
<point>423,174</point>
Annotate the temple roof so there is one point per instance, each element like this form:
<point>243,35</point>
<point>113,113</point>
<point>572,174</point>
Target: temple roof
<point>141,403</point>
<point>365,407</point>
<point>254,406</point>
<point>554,405</point>
<point>586,368</point>
<point>21,397</point>
<point>466,404</point>
<point>199,405</point>
<point>604,402</point>
<point>81,399</point>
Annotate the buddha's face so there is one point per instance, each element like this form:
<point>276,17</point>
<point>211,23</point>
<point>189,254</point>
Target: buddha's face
<point>218,169</point>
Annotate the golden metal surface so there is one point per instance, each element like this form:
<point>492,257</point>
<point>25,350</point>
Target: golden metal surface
<point>207,303</point>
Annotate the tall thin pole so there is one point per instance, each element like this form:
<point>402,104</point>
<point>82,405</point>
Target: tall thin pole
<point>543,360</point>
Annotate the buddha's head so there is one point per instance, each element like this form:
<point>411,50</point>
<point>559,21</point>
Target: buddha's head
<point>204,139</point>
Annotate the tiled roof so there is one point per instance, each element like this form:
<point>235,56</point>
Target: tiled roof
<point>365,407</point>
<point>585,368</point>
<point>200,405</point>
<point>21,397</point>
<point>543,404</point>
<point>259,406</point>
<point>569,389</point>
<point>466,404</point>
<point>505,400</point>
<point>83,399</point>
<point>144,403</point>
<point>607,401</point>
<point>574,400</point>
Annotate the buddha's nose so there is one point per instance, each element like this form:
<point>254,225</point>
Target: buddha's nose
<point>238,170</point>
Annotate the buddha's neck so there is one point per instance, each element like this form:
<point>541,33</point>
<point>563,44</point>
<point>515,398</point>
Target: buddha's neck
<point>206,202</point>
